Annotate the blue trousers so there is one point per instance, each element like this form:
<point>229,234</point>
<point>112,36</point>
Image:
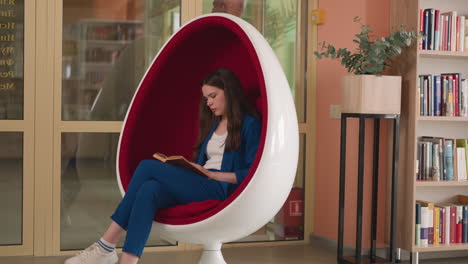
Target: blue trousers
<point>157,185</point>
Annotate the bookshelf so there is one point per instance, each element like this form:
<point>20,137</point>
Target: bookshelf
<point>432,248</point>
<point>93,48</point>
<point>413,126</point>
<point>442,118</point>
<point>101,42</point>
<point>440,183</point>
<point>442,54</point>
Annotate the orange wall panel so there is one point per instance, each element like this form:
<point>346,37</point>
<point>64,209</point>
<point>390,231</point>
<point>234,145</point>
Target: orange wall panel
<point>111,9</point>
<point>339,30</point>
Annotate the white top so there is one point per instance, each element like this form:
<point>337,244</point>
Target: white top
<point>215,151</point>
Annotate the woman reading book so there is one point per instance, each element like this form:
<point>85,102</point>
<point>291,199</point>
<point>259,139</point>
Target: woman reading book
<point>229,134</point>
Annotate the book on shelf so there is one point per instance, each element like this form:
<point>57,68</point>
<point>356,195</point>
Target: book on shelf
<point>425,29</point>
<point>463,143</point>
<point>466,37</point>
<point>465,224</point>
<point>439,224</point>
<point>447,223</point>
<point>436,14</point>
<point>115,30</point>
<point>462,22</point>
<point>453,224</point>
<point>461,164</point>
<point>449,160</point>
<point>436,163</point>
<point>464,97</point>
<point>442,95</point>
<point>454,84</point>
<point>441,31</point>
<point>443,226</point>
<point>431,159</point>
<point>421,41</point>
<point>427,222</point>
<point>437,98</point>
<point>418,225</point>
<point>463,199</point>
<point>459,222</point>
<point>179,161</point>
<point>424,226</point>
<point>441,159</point>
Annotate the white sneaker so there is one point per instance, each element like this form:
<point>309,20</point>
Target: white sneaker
<point>93,255</point>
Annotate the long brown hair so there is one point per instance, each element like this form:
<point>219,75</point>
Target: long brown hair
<point>236,107</point>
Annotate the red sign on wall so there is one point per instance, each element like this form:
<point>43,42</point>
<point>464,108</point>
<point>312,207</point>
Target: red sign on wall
<point>295,208</point>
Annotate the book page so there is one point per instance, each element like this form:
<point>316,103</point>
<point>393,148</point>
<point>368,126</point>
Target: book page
<point>178,161</point>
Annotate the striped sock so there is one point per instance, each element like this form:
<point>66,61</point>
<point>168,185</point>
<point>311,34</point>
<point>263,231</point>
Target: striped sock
<point>106,246</point>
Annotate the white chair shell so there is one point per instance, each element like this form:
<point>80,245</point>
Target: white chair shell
<point>271,184</point>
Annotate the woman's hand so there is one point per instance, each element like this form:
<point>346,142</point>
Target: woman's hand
<point>208,173</point>
<point>217,176</point>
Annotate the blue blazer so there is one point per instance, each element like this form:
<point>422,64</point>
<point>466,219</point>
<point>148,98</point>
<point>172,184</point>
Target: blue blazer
<point>240,160</point>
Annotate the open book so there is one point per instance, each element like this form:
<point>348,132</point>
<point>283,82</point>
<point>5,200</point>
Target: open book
<point>178,161</point>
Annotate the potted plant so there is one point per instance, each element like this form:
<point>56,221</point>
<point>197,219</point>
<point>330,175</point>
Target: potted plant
<point>367,91</point>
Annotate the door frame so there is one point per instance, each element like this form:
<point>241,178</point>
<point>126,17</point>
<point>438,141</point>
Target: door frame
<point>42,126</point>
<point>26,126</point>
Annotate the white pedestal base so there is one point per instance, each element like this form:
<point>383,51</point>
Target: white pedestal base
<point>212,255</point>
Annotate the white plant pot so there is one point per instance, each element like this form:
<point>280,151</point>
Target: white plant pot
<point>371,94</point>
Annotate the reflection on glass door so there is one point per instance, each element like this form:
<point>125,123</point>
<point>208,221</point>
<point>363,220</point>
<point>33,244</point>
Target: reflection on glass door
<point>107,47</point>
<point>12,178</point>
<point>11,60</point>
<point>106,50</point>
<point>89,188</point>
<point>11,188</point>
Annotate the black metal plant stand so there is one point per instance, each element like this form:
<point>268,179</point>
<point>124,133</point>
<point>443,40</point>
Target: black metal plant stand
<point>359,258</point>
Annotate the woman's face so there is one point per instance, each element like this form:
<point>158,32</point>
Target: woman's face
<point>215,99</point>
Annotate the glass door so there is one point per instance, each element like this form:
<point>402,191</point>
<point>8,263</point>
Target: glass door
<point>106,49</point>
<point>68,70</point>
<point>16,126</point>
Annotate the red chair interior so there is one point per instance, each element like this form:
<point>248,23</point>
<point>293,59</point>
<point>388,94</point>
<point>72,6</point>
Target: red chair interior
<point>164,114</point>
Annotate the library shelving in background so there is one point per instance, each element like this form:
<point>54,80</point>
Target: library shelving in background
<point>413,126</point>
<point>91,48</point>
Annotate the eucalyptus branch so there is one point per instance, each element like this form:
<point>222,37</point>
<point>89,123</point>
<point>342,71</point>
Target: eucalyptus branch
<point>371,56</point>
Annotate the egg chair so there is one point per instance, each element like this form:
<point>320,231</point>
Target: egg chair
<point>163,117</point>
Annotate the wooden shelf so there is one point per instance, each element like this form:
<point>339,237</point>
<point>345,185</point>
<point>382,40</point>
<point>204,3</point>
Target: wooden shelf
<point>97,66</point>
<point>443,247</point>
<point>442,54</point>
<point>107,43</point>
<point>410,65</point>
<point>440,183</point>
<point>443,118</point>
<point>110,21</point>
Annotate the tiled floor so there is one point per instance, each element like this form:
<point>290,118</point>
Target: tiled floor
<point>82,218</point>
<point>302,254</point>
<point>257,255</point>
